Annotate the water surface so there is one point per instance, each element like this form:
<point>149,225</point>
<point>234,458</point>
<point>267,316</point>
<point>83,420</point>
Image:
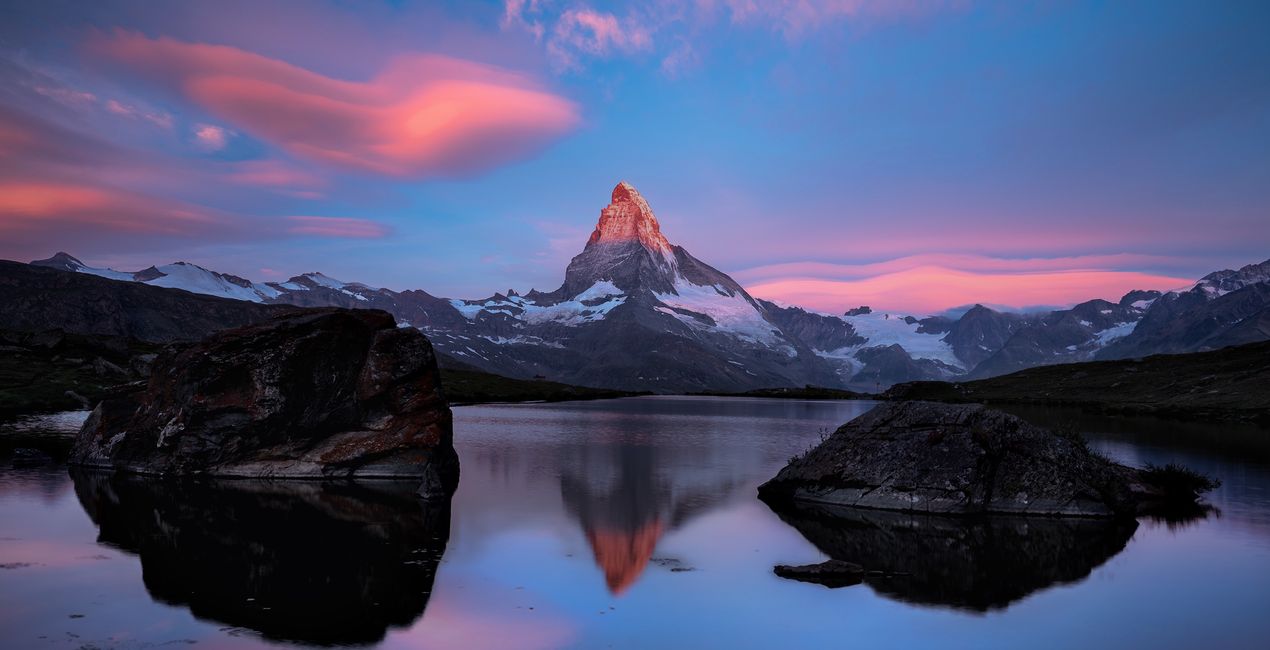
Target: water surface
<point>620,523</point>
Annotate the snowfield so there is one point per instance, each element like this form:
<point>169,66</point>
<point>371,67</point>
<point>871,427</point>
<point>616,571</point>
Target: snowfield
<point>732,314</point>
<point>197,279</point>
<point>1115,332</point>
<point>570,312</point>
<point>888,329</point>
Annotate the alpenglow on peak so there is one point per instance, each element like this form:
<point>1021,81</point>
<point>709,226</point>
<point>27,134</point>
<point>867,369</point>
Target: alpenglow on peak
<point>628,218</point>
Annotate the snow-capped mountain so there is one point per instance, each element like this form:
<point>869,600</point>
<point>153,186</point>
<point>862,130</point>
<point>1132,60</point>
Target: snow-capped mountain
<point>1224,308</point>
<point>177,275</point>
<point>637,312</point>
<point>1065,335</point>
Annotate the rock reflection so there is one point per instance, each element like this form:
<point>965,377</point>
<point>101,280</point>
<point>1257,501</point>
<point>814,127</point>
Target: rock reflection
<point>977,564</point>
<point>309,562</point>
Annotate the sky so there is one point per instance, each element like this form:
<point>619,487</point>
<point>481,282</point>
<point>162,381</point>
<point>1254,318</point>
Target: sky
<point>906,154</point>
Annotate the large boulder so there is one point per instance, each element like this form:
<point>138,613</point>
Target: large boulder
<point>955,459</point>
<point>317,394</point>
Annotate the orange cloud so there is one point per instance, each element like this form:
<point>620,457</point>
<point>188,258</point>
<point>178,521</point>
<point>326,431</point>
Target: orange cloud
<point>923,290</point>
<point>422,116</point>
<point>955,261</point>
<point>336,227</point>
<point>36,205</point>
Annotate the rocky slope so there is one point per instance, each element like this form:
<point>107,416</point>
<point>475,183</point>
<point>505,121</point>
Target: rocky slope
<point>1061,336</point>
<point>38,298</point>
<point>1224,308</point>
<point>53,370</point>
<point>316,394</point>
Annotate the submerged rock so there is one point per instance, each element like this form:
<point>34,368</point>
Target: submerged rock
<point>830,573</point>
<point>317,394</point>
<point>955,459</point>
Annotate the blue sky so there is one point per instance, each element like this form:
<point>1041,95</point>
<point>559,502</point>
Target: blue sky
<point>913,155</point>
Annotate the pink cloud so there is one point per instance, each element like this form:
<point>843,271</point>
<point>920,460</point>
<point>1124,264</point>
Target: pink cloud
<point>67,96</point>
<point>959,262</point>
<point>279,176</point>
<point>39,216</point>
<point>26,205</point>
<point>336,227</point>
<point>210,137</point>
<point>930,288</point>
<point>596,33</point>
<point>158,118</point>
<point>421,116</point>
<point>581,31</point>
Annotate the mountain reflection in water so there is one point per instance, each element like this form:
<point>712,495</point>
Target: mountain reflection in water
<point>624,505</point>
<point>319,563</point>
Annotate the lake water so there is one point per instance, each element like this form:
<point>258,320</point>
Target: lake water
<point>622,523</point>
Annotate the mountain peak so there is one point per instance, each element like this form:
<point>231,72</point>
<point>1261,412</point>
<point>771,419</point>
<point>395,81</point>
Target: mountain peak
<point>629,218</point>
<point>61,260</point>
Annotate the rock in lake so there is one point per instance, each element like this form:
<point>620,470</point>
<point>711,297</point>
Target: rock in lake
<point>955,459</point>
<point>830,573</point>
<point>329,393</point>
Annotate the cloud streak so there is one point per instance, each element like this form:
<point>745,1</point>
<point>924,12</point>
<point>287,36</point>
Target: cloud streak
<point>422,116</point>
<point>580,32</point>
<point>341,227</point>
<point>929,284</point>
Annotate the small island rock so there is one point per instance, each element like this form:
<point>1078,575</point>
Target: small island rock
<point>955,459</point>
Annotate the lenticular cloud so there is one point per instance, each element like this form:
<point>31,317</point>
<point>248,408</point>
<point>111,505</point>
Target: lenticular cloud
<point>422,116</point>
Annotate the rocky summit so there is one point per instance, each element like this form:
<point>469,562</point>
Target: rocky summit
<point>327,393</point>
<point>955,459</point>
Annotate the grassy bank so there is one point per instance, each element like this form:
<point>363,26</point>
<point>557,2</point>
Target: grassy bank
<point>1228,384</point>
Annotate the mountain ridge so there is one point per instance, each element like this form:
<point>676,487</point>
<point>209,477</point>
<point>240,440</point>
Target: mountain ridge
<point>636,312</point>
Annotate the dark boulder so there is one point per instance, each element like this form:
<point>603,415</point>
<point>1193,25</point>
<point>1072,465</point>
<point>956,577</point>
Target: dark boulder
<point>955,459</point>
<point>318,394</point>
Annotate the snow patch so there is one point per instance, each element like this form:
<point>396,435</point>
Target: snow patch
<point>888,329</point>
<point>197,279</point>
<point>325,281</point>
<point>569,312</point>
<point>106,273</point>
<point>1114,332</point>
<point>732,313</point>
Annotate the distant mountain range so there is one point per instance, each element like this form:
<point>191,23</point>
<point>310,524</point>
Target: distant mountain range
<point>636,312</point>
